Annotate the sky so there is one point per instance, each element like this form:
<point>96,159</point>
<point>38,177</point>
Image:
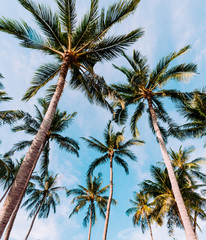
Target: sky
<point>169,26</point>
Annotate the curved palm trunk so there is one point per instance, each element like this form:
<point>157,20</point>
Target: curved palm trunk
<point>13,217</point>
<point>90,224</point>
<point>149,225</point>
<point>109,199</point>
<point>32,223</point>
<point>29,160</point>
<point>178,197</point>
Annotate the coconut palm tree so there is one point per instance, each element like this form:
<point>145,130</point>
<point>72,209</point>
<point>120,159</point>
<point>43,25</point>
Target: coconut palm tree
<point>144,88</point>
<point>42,198</point>
<point>59,123</point>
<point>190,170</point>
<point>91,195</point>
<point>142,210</point>
<point>113,149</point>
<point>159,188</point>
<point>76,49</point>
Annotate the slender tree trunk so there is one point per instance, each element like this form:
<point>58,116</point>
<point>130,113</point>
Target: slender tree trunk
<point>149,225</point>
<point>90,224</point>
<point>109,199</point>
<point>5,192</point>
<point>13,217</point>
<point>25,169</point>
<point>178,197</point>
<point>32,223</point>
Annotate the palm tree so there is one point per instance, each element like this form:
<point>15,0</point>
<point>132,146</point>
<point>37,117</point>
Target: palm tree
<point>190,170</point>
<point>142,211</point>
<point>91,195</point>
<point>145,86</point>
<point>159,188</point>
<point>41,199</point>
<point>113,149</point>
<point>59,123</point>
<point>76,49</point>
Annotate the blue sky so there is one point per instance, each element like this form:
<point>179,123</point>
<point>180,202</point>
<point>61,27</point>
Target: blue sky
<point>169,26</point>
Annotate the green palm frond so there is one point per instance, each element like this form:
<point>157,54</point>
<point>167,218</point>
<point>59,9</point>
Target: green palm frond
<point>97,162</point>
<point>122,163</point>
<point>43,75</point>
<point>67,14</point>
<point>137,114</point>
<point>46,20</point>
<point>94,143</point>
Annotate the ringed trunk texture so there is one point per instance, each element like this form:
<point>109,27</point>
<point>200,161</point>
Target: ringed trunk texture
<point>149,225</point>
<point>32,223</point>
<point>109,199</point>
<point>19,184</point>
<point>14,214</point>
<point>90,224</point>
<point>190,235</point>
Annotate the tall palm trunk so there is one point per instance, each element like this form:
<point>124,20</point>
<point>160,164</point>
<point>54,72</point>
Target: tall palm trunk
<point>32,223</point>
<point>149,225</point>
<point>17,188</point>
<point>178,197</point>
<point>90,224</point>
<point>5,192</point>
<point>13,217</point>
<point>109,199</point>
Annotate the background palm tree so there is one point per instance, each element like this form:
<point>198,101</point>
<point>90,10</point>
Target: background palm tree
<point>142,210</point>
<point>113,149</point>
<point>59,123</point>
<point>76,49</point>
<point>160,190</point>
<point>42,198</point>
<point>144,85</point>
<point>91,195</point>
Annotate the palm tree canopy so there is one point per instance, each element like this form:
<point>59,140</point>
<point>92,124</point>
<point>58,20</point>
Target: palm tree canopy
<point>43,195</point>
<point>83,44</point>
<point>91,195</point>
<point>142,209</point>
<point>60,122</point>
<point>143,84</point>
<point>189,169</point>
<point>159,188</point>
<point>114,145</point>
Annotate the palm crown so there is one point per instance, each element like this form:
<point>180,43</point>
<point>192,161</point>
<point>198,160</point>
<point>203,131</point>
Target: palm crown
<point>83,45</point>
<point>91,194</point>
<point>60,122</point>
<point>147,85</point>
<point>113,147</point>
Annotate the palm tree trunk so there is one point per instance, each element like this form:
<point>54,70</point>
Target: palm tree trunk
<point>109,199</point>
<point>178,197</point>
<point>32,223</point>
<point>13,217</point>
<point>17,188</point>
<point>90,224</point>
<point>149,225</point>
<point>5,192</point>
